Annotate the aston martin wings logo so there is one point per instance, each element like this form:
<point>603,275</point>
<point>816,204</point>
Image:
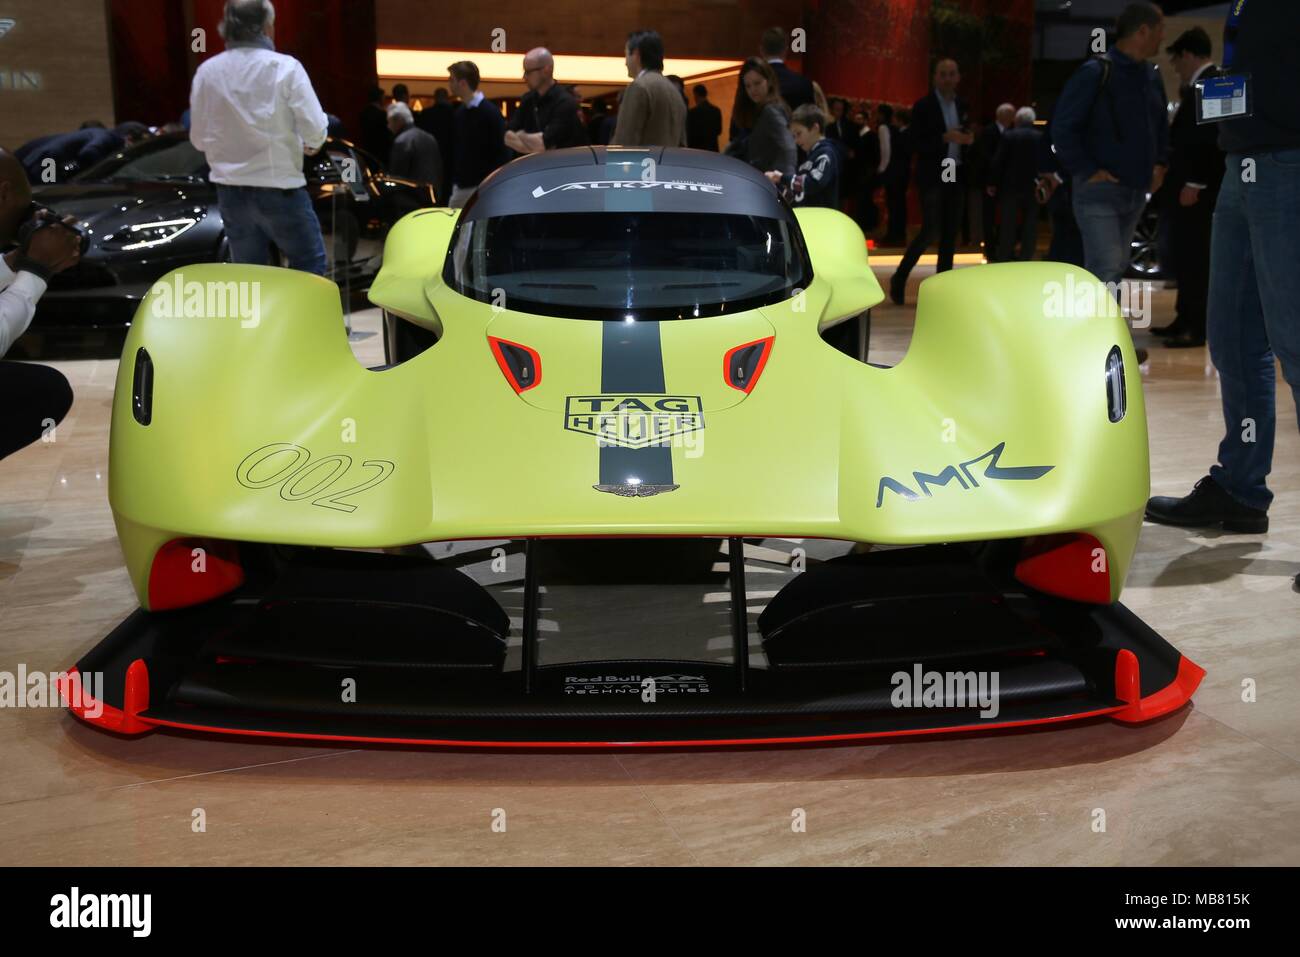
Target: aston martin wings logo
<point>6,24</point>
<point>633,421</point>
<point>636,490</point>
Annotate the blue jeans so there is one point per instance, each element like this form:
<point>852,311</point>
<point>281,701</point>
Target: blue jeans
<point>1107,214</point>
<point>1254,313</point>
<point>257,217</point>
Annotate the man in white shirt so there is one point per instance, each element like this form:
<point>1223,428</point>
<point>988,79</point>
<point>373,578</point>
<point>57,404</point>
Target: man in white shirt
<point>253,114</point>
<point>33,398</point>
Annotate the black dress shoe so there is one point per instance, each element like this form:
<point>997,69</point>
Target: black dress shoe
<point>1184,341</point>
<point>1207,506</point>
<point>896,289</point>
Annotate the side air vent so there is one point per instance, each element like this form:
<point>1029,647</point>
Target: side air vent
<point>521,365</point>
<point>142,388</point>
<point>742,365</point>
<point>1116,392</point>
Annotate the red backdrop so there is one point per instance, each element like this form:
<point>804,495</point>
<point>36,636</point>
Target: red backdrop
<point>153,61</point>
<point>879,50</point>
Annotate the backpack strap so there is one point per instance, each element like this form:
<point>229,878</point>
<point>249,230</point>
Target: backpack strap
<point>1110,100</point>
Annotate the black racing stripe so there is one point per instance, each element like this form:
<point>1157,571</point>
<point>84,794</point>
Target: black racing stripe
<point>632,362</point>
<point>631,358</point>
<point>652,465</point>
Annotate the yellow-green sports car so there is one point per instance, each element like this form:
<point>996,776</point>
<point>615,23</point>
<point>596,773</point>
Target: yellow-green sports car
<point>616,360</point>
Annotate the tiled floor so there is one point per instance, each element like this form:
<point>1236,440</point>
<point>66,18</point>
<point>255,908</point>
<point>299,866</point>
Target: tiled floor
<point>1218,783</point>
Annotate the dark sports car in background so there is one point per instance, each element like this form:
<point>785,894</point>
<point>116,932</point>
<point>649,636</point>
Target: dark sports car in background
<point>1146,257</point>
<point>149,209</point>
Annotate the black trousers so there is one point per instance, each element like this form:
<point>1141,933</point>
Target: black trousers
<point>1191,240</point>
<point>896,204</point>
<point>1067,241</point>
<point>33,399</point>
<point>1017,206</point>
<point>989,229</point>
<point>868,214</point>
<point>941,209</point>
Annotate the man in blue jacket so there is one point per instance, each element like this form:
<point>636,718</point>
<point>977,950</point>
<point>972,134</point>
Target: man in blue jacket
<point>1112,138</point>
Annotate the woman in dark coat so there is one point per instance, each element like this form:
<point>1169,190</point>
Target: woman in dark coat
<point>760,121</point>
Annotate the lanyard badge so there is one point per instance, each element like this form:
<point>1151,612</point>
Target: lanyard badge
<point>1225,97</point>
<point>1228,96</point>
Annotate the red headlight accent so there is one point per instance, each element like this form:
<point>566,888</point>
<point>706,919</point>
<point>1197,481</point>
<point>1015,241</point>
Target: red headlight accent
<point>1073,566</point>
<point>179,577</point>
<point>742,365</point>
<point>521,365</point>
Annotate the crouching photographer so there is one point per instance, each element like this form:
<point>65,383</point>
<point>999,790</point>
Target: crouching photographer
<point>33,398</point>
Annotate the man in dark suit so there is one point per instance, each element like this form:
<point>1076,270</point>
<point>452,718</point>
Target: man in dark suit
<point>979,178</point>
<point>375,136</point>
<point>1191,189</point>
<point>898,175</point>
<point>414,154</point>
<point>1013,177</point>
<point>940,140</point>
<point>839,127</point>
<point>439,121</point>
<point>796,89</point>
<point>703,122</point>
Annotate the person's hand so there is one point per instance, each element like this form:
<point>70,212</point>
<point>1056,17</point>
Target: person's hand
<point>774,175</point>
<point>1047,184</point>
<point>1102,176</point>
<point>1188,196</point>
<point>1157,178</point>
<point>55,247</point>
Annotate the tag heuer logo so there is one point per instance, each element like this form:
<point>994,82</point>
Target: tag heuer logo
<point>633,421</point>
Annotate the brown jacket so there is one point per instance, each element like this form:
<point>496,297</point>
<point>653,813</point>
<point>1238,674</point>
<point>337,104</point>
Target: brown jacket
<point>652,113</point>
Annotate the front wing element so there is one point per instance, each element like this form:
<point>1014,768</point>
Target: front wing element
<point>423,648</point>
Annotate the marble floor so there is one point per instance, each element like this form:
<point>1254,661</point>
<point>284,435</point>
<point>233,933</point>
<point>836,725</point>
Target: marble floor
<point>1216,783</point>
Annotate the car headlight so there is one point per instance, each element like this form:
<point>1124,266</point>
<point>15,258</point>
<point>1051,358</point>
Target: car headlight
<point>144,235</point>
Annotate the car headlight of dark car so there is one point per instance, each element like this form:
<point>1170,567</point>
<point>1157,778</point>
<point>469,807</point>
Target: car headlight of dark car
<point>145,235</point>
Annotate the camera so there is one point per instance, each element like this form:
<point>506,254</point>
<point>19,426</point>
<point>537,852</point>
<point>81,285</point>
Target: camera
<point>40,217</point>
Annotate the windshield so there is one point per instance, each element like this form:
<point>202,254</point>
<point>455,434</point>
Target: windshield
<point>611,265</point>
<point>152,159</point>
